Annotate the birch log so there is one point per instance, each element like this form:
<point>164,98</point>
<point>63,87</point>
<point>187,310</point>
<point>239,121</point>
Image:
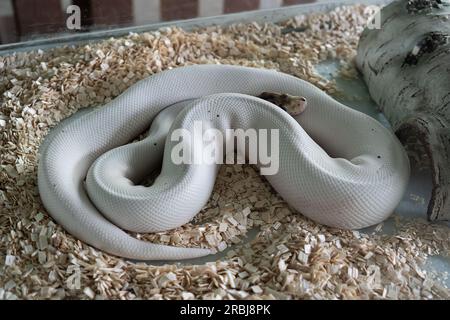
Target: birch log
<point>406,66</point>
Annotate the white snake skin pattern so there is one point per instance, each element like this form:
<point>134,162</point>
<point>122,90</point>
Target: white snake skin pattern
<point>337,166</point>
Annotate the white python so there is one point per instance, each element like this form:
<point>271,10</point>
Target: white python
<point>337,166</point>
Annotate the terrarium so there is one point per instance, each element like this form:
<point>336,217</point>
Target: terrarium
<point>224,149</point>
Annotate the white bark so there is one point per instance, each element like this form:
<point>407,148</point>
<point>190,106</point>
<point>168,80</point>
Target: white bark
<point>409,78</point>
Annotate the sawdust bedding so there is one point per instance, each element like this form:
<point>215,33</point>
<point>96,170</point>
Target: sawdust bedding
<point>291,257</point>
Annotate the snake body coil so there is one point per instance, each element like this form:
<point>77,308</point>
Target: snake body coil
<point>337,166</point>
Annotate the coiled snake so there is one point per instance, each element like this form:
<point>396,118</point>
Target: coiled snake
<point>337,166</point>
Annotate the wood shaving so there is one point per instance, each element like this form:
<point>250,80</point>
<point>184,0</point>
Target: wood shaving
<point>291,257</point>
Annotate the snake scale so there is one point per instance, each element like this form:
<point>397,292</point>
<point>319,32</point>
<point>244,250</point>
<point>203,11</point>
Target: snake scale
<point>337,166</point>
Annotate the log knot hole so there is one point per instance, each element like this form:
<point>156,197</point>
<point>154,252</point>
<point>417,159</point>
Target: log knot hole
<point>428,44</point>
<point>424,6</point>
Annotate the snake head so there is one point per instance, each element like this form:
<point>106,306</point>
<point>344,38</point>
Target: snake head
<point>294,105</point>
